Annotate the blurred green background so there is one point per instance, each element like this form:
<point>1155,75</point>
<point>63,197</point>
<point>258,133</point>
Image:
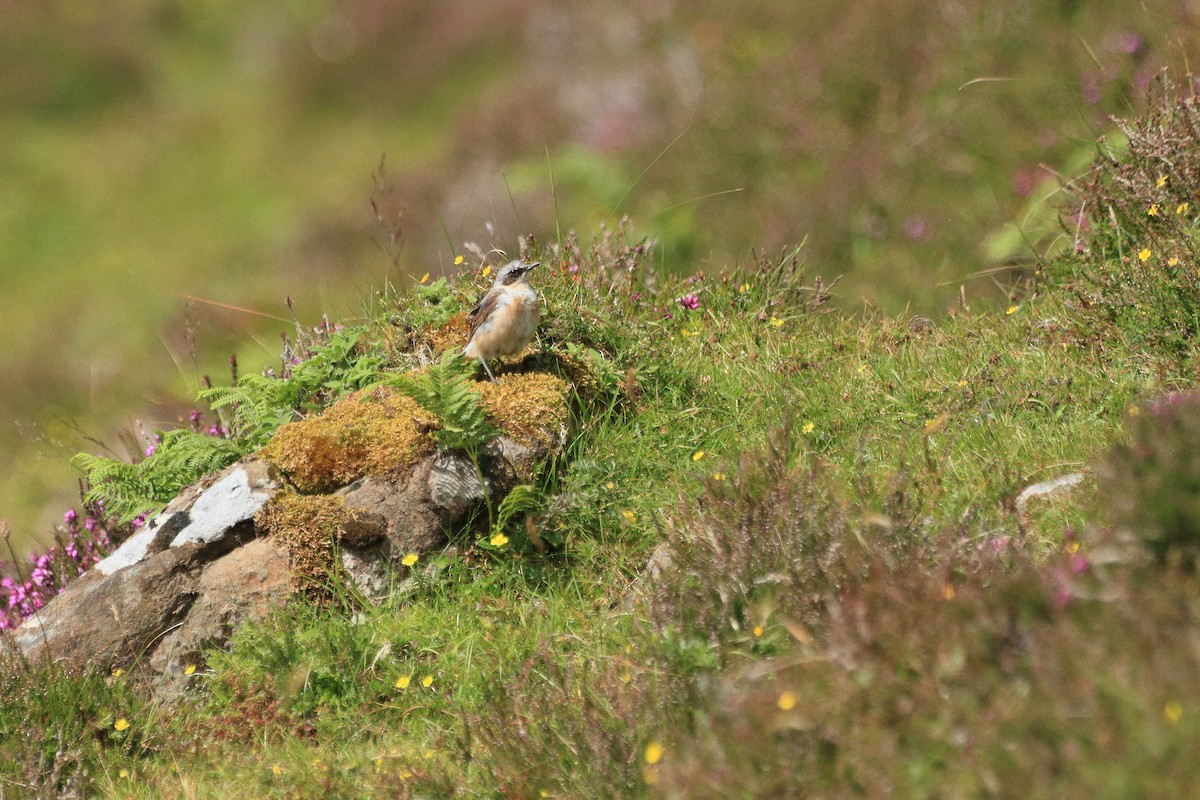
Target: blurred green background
<point>152,152</point>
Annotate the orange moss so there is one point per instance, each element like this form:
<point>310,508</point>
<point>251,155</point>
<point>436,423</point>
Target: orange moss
<point>530,407</point>
<point>372,431</point>
<point>451,336</point>
<point>308,526</point>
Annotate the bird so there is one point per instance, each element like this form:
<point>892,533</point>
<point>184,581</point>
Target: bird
<point>504,321</point>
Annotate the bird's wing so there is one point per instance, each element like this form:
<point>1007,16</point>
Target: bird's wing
<point>482,311</point>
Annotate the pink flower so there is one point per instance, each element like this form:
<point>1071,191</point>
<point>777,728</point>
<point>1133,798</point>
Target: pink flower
<point>690,301</point>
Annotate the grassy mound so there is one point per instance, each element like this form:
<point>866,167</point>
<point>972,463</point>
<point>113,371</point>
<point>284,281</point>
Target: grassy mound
<point>792,561</point>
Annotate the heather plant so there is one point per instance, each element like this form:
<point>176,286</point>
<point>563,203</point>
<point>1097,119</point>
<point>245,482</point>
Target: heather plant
<point>24,589</point>
<point>1151,484</point>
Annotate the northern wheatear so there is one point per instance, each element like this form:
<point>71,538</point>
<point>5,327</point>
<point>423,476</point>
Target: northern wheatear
<point>505,319</point>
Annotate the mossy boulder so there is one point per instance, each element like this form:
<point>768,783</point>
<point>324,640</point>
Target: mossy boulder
<point>346,493</point>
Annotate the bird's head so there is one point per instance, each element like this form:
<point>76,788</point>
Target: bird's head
<point>514,272</point>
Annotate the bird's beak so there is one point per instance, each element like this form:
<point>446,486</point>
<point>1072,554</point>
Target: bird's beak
<point>531,266</point>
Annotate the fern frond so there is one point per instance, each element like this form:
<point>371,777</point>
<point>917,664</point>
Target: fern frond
<point>129,490</point>
<point>445,391</point>
<point>257,406</point>
<point>520,500</point>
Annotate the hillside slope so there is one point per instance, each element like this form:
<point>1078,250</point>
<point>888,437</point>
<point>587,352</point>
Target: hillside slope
<point>849,595</point>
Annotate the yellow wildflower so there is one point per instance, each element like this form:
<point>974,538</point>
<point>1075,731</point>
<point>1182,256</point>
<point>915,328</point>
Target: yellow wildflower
<point>962,384</point>
<point>458,260</point>
<point>609,485</point>
<point>629,516</point>
<point>118,672</point>
<point>277,770</point>
<point>1153,210</point>
<point>1173,261</point>
<point>403,681</point>
<point>190,669</point>
<point>625,677</point>
<point>1182,208</point>
<point>758,630</point>
<point>719,476</point>
<point>1144,254</point>
<point>1173,711</point>
<point>427,681</point>
<point>696,456</point>
<point>499,540</point>
<point>424,278</point>
<point>1161,182</point>
<point>654,753</point>
<point>121,724</point>
<point>409,559</point>
<point>809,427</point>
<point>124,773</point>
<point>487,270</point>
<point>776,321</point>
<point>1134,411</point>
<point>787,701</point>
<point>1011,310</point>
<point>745,287</point>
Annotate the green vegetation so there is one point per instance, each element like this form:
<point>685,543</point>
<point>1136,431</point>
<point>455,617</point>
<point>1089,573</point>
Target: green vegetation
<point>171,174</point>
<point>852,601</point>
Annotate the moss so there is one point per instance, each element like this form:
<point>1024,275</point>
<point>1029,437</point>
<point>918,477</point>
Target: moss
<point>450,336</point>
<point>530,407</point>
<point>308,526</point>
<point>372,431</point>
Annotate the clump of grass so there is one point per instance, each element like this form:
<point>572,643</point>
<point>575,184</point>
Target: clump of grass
<point>1136,220</point>
<point>571,727</point>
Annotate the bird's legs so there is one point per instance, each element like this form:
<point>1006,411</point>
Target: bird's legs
<point>487,369</point>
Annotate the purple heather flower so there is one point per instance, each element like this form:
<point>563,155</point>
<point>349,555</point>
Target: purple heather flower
<point>150,450</point>
<point>69,517</point>
<point>1130,43</point>
<point>90,524</point>
<point>690,301</point>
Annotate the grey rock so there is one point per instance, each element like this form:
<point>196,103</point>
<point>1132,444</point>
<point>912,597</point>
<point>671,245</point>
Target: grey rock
<point>243,584</point>
<point>236,496</point>
<point>202,567</point>
<point>454,485</point>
